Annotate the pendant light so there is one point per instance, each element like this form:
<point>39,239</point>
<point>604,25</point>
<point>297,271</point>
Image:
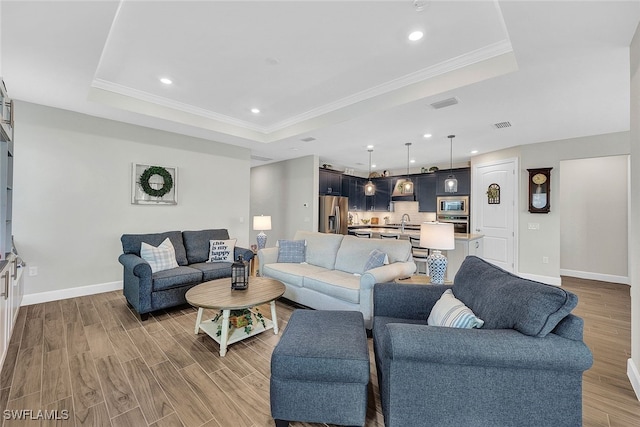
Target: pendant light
<point>451,183</point>
<point>369,188</point>
<point>407,186</point>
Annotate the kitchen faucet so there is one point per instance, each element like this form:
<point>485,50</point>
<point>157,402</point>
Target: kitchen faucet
<point>402,221</point>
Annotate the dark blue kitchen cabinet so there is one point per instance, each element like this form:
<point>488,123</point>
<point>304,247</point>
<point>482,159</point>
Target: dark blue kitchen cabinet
<point>463,175</point>
<point>353,188</point>
<point>382,199</point>
<point>426,192</point>
<point>330,182</point>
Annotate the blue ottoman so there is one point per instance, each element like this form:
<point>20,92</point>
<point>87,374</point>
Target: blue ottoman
<point>320,369</point>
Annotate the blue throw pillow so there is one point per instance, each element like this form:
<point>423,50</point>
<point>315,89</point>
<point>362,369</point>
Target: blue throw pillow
<point>377,258</point>
<point>292,251</point>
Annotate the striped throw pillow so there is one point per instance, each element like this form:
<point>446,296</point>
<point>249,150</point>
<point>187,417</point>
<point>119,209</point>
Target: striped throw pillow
<point>159,258</point>
<point>450,311</point>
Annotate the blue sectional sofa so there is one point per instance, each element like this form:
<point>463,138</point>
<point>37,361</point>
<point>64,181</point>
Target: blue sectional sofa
<point>522,368</point>
<point>146,291</point>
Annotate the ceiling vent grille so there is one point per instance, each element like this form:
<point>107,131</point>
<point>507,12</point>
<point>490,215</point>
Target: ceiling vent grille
<point>261,159</point>
<point>445,103</point>
<point>502,125</point>
<point>308,139</point>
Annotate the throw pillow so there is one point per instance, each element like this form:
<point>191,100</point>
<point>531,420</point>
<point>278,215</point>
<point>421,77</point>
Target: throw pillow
<point>292,251</point>
<point>377,258</point>
<point>162,257</point>
<point>450,311</point>
<point>221,250</point>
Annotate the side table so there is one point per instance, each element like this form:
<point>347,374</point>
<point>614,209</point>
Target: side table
<point>419,279</point>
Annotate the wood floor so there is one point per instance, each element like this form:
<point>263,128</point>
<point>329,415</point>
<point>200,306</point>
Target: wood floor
<point>91,357</point>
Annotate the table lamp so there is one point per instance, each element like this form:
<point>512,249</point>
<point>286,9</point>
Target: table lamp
<point>261,223</point>
<point>439,237</point>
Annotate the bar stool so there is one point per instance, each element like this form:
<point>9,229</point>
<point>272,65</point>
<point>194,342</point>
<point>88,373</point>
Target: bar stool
<point>389,236</point>
<point>419,254</point>
<point>362,234</point>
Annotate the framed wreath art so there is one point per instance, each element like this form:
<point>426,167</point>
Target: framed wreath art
<point>154,185</point>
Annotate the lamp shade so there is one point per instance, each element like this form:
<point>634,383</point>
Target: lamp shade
<point>262,222</point>
<point>437,235</point>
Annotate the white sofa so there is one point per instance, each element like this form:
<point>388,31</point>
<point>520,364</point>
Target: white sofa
<point>332,276</point>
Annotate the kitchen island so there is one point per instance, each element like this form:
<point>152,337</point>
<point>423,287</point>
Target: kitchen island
<point>465,244</point>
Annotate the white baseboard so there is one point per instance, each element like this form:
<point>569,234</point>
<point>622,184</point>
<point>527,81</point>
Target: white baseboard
<point>634,377</point>
<point>549,280</point>
<point>80,291</point>
<point>595,276</point>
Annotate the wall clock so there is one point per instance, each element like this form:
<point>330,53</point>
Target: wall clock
<point>539,190</point>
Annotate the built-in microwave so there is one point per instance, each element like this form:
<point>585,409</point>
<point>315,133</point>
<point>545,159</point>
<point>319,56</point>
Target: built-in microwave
<point>453,205</point>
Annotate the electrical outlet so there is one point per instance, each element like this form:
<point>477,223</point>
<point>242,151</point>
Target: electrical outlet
<point>33,271</point>
<point>534,226</point>
<point>545,260</point>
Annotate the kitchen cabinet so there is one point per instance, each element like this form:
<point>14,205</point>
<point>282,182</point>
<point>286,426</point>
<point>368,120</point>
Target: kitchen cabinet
<point>330,182</point>
<point>463,175</point>
<point>426,192</point>
<point>11,291</point>
<point>463,247</point>
<point>381,201</point>
<point>6,171</point>
<point>353,188</point>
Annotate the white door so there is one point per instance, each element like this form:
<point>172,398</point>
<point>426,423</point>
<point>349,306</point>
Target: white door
<point>496,218</point>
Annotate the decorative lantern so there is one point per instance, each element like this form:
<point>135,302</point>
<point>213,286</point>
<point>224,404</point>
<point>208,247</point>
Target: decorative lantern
<point>240,274</point>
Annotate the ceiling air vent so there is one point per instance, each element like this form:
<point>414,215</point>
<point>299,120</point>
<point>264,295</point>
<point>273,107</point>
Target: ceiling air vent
<point>308,139</point>
<point>445,103</point>
<point>261,159</point>
<point>502,125</point>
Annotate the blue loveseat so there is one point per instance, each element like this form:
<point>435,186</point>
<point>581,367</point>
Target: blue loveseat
<point>522,368</point>
<point>146,291</point>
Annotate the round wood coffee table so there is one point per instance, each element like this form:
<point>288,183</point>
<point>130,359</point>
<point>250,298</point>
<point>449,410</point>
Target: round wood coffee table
<point>218,295</point>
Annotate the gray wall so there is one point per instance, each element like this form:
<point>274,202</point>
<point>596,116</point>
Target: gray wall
<point>72,193</point>
<point>534,244</point>
<point>594,205</point>
<point>288,191</point>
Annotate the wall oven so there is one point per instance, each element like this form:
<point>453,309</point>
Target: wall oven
<point>460,222</point>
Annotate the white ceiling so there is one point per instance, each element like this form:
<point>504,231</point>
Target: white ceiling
<point>342,72</point>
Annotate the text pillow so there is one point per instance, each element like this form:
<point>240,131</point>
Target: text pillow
<point>292,251</point>
<point>377,258</point>
<point>162,257</point>
<point>450,311</point>
<point>221,250</point>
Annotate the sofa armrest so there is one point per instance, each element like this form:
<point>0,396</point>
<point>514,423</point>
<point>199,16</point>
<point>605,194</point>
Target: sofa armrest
<point>135,264</point>
<point>247,254</point>
<point>386,273</point>
<point>267,256</point>
<point>504,348</point>
<point>406,301</point>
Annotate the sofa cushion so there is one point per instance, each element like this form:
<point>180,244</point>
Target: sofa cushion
<point>321,247</point>
<point>354,252</point>
<point>451,312</point>
<point>162,257</point>
<point>176,277</point>
<point>506,301</point>
<point>377,258</point>
<point>131,243</point>
<point>291,250</point>
<point>335,283</point>
<point>289,273</point>
<point>213,270</point>
<point>196,243</point>
<point>222,250</point>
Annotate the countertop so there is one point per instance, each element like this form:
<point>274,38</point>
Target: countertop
<point>408,232</point>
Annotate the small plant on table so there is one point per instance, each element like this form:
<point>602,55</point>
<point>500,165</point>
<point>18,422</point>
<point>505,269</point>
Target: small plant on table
<point>242,318</point>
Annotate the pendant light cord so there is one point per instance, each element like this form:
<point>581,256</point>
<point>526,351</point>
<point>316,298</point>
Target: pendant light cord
<point>451,153</point>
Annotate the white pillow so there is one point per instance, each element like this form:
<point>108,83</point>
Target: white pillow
<point>221,250</point>
<point>159,258</point>
<point>450,311</point>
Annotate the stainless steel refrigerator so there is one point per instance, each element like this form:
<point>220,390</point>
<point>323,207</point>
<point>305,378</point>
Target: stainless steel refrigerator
<point>333,214</point>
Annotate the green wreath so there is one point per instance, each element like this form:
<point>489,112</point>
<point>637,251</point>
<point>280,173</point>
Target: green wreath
<point>166,177</point>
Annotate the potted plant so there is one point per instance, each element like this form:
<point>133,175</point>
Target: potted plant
<point>242,318</point>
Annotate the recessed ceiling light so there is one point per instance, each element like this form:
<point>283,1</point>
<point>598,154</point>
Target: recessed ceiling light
<point>474,152</point>
<point>416,35</point>
<point>412,161</point>
<point>255,110</point>
<point>369,147</point>
<point>427,135</point>
<point>373,166</point>
<point>166,80</point>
